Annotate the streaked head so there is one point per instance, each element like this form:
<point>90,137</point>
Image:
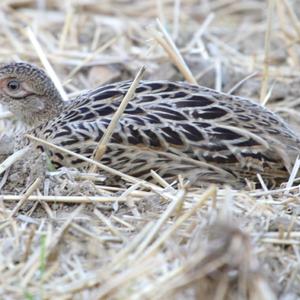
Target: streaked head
<point>29,93</point>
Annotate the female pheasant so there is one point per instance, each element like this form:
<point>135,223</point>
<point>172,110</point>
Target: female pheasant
<point>170,127</point>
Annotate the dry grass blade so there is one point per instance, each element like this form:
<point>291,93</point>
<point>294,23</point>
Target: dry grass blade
<point>12,159</point>
<point>236,86</point>
<point>90,57</point>
<point>166,42</point>
<point>293,17</point>
<point>164,217</point>
<point>32,265</point>
<point>71,199</point>
<point>67,25</point>
<point>211,192</point>
<point>201,30</point>
<point>101,147</point>
<point>159,179</point>
<point>228,250</point>
<point>293,175</point>
<point>46,63</point>
<point>109,225</point>
<point>265,80</point>
<point>25,197</point>
<point>5,115</point>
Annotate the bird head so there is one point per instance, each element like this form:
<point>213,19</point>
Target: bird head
<point>29,93</point>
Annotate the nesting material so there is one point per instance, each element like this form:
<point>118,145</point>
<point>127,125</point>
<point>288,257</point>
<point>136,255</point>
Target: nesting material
<point>67,235</point>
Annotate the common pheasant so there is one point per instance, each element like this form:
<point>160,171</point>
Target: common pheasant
<point>170,127</point>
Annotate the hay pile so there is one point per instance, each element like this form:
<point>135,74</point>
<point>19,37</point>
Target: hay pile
<point>72,237</point>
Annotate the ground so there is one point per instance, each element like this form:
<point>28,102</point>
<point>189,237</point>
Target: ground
<point>66,235</point>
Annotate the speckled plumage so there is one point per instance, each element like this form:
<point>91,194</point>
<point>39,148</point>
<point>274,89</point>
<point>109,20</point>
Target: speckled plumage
<point>170,127</point>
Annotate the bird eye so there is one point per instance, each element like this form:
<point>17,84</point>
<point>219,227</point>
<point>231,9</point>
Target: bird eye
<point>13,85</point>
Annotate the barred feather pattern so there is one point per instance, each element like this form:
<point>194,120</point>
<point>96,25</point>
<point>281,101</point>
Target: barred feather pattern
<point>176,128</point>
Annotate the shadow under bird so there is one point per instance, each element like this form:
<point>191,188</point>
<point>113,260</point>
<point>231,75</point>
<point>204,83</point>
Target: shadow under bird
<point>170,127</point>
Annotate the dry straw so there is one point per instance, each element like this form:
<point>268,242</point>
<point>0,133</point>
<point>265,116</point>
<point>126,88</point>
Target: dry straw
<point>102,145</point>
<point>70,236</point>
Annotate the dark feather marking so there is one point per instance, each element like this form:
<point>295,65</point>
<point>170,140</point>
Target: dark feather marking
<point>165,95</point>
<point>85,136</point>
<point>71,114</point>
<point>248,143</point>
<point>140,173</point>
<point>88,151</point>
<point>155,85</point>
<point>59,155</point>
<point>249,126</point>
<point>179,95</point>
<point>70,141</point>
<point>193,102</point>
<point>139,161</point>
<point>214,147</point>
<point>263,123</point>
<point>83,110</point>
<point>147,98</point>
<point>99,134</point>
<point>89,116</point>
<point>107,94</point>
<point>134,110</point>
<point>238,110</point>
<point>79,101</point>
<point>226,134</point>
<point>169,113</point>
<point>273,120</point>
<point>77,161</point>
<point>106,160</point>
<point>103,110</point>
<point>153,119</point>
<point>64,131</point>
<point>171,136</point>
<point>116,153</point>
<point>76,117</point>
<point>76,150</point>
<point>136,137</point>
<point>154,140</point>
<point>137,120</point>
<point>105,121</point>
<point>244,118</point>
<point>202,124</point>
<point>222,160</point>
<point>47,131</point>
<point>171,88</point>
<point>116,138</point>
<point>41,148</point>
<point>141,89</point>
<point>56,164</point>
<point>210,113</point>
<point>273,131</point>
<point>192,133</point>
<point>123,160</point>
<point>82,126</point>
<point>171,117</point>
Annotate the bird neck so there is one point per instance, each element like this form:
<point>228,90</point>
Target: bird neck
<point>35,118</point>
<point>37,111</point>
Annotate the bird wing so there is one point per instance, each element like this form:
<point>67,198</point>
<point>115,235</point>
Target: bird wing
<point>180,119</point>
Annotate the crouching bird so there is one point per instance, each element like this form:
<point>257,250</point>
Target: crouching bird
<point>169,127</point>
